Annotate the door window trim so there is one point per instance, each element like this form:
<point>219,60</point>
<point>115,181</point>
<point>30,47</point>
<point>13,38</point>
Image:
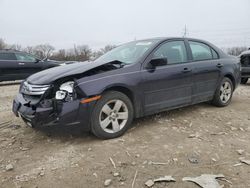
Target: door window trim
<point>149,57</point>
<point>211,48</point>
<point>23,53</point>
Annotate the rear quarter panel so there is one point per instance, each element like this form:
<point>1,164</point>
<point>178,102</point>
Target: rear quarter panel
<point>231,69</point>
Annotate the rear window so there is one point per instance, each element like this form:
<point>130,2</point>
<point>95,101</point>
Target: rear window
<point>7,56</point>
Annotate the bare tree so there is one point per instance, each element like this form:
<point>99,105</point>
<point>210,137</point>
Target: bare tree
<point>82,52</point>
<point>3,45</point>
<point>236,50</point>
<point>102,51</point>
<point>107,48</point>
<point>60,55</point>
<point>44,50</point>
<point>30,50</point>
<point>96,54</point>
<point>15,47</point>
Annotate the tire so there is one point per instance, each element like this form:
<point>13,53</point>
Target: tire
<point>112,115</point>
<point>244,80</point>
<point>223,93</point>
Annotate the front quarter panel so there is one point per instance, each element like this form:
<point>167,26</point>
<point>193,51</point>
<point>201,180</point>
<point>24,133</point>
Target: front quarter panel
<point>127,77</point>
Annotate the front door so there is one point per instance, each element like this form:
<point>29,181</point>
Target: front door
<point>8,66</point>
<point>170,85</point>
<point>28,64</point>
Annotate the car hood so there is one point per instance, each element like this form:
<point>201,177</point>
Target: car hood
<point>50,75</point>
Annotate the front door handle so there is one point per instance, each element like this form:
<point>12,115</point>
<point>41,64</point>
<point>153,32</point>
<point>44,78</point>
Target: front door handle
<point>219,65</point>
<point>185,70</point>
<point>21,63</point>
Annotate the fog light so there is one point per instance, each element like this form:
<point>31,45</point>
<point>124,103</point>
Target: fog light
<point>60,95</point>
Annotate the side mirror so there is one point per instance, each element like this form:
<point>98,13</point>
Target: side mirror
<point>156,62</point>
<point>37,61</point>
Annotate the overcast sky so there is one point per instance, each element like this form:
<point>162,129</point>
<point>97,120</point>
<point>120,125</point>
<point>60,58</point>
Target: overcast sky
<point>63,23</point>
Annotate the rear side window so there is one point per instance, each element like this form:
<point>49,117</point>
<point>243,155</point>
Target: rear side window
<point>174,51</point>
<point>200,51</point>
<point>7,56</point>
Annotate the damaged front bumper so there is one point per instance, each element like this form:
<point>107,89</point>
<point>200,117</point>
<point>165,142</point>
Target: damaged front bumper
<point>55,113</point>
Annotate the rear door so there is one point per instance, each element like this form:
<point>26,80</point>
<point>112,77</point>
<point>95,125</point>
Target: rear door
<point>8,66</point>
<point>206,71</point>
<point>28,64</point>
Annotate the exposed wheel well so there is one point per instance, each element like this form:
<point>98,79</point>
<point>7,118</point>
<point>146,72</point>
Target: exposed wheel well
<point>124,90</point>
<point>232,79</point>
<point>127,92</point>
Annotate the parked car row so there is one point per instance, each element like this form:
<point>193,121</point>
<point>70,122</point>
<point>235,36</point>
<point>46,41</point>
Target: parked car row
<point>133,80</point>
<point>245,64</point>
<point>17,65</point>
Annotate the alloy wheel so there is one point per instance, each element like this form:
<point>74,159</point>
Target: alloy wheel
<point>113,116</point>
<point>225,92</point>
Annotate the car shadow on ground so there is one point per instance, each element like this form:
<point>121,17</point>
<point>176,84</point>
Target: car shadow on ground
<point>73,131</point>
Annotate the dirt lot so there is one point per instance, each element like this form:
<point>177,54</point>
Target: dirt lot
<point>200,139</point>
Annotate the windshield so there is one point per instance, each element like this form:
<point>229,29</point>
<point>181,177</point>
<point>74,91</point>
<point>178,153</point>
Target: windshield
<point>128,53</point>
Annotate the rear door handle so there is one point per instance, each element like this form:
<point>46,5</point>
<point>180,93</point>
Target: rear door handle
<point>185,70</point>
<point>219,65</point>
<point>21,63</point>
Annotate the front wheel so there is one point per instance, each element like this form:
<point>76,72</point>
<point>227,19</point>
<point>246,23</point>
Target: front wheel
<point>244,80</point>
<point>223,94</point>
<point>112,115</point>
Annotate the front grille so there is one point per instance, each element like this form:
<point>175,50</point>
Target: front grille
<point>30,89</point>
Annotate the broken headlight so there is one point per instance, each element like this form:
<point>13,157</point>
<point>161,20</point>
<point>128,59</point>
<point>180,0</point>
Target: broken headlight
<point>65,91</point>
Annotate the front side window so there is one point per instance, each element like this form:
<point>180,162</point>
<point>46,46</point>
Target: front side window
<point>7,56</point>
<point>25,57</point>
<point>200,51</point>
<point>128,53</point>
<point>174,52</point>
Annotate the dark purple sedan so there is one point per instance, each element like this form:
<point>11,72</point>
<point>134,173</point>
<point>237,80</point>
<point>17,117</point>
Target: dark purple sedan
<point>133,80</point>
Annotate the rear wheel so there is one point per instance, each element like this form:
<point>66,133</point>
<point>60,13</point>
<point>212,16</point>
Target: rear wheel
<point>244,80</point>
<point>223,94</point>
<point>112,115</point>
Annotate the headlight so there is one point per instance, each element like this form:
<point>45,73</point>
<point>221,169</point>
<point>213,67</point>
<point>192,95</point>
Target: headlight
<point>65,91</point>
<point>60,95</point>
<point>67,86</point>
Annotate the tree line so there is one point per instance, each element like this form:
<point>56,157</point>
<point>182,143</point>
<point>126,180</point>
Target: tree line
<point>80,52</point>
<point>77,53</point>
<point>236,50</point>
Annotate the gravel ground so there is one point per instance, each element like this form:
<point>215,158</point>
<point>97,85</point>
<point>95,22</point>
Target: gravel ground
<point>201,139</point>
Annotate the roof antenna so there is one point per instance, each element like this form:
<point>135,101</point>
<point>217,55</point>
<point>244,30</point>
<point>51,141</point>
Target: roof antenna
<point>185,32</point>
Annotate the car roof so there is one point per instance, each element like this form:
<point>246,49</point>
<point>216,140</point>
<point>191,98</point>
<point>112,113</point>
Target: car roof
<point>173,38</point>
<point>162,39</point>
<point>9,50</point>
<point>247,52</point>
